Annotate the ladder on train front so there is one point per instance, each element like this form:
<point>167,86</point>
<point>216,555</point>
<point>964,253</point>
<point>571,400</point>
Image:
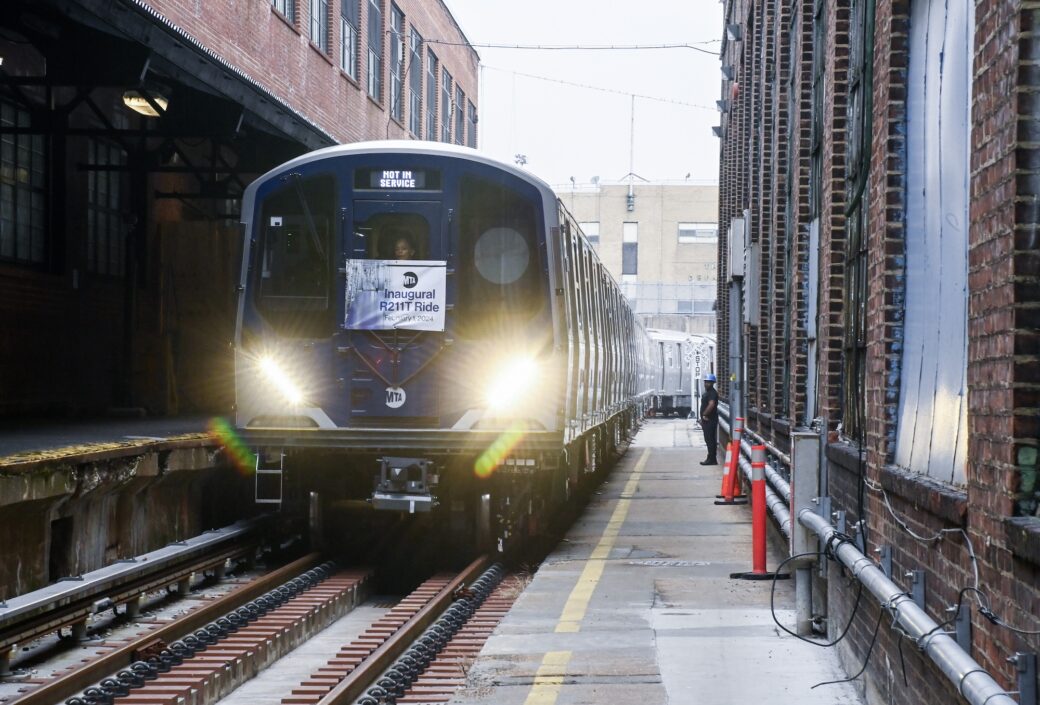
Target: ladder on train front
<point>270,468</point>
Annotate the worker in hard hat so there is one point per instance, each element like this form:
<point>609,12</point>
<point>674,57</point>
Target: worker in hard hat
<point>710,419</point>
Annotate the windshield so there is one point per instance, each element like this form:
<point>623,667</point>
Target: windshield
<point>295,265</point>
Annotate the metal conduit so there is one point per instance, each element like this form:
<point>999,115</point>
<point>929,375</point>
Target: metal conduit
<point>784,457</point>
<point>775,479</point>
<point>971,680</point>
<point>776,505</point>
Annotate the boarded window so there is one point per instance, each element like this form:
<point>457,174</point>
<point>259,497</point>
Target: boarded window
<point>932,430</point>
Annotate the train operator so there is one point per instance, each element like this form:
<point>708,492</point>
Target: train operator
<point>403,248</point>
<point>710,419</point>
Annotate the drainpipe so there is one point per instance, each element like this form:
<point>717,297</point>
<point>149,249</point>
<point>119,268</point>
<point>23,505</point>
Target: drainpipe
<point>970,679</point>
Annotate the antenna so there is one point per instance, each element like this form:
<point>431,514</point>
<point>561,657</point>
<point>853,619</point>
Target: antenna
<point>632,157</point>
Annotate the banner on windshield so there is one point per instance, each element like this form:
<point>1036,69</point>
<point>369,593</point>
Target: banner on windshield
<point>387,294</point>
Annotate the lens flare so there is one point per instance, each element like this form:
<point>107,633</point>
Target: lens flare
<point>276,376</point>
<point>513,382</point>
<point>498,451</point>
<point>242,457</point>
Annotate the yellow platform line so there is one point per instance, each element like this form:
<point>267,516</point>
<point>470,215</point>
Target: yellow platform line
<point>548,679</point>
<point>578,602</point>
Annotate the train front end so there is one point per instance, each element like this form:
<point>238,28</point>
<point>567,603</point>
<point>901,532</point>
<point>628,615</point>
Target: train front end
<point>395,315</point>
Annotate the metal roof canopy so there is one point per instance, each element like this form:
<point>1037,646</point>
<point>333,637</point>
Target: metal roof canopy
<point>123,43</point>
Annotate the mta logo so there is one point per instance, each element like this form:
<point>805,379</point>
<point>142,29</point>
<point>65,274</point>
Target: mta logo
<point>395,397</point>
<point>410,280</point>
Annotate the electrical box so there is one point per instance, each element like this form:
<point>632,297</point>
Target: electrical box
<point>736,248</point>
<point>805,489</point>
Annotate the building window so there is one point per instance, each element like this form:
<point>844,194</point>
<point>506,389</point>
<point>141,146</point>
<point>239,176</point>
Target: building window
<point>447,109</point>
<point>349,22</point>
<point>591,230</point>
<point>287,8</point>
<point>683,306</point>
<point>106,231</point>
<point>431,96</point>
<point>320,24</point>
<point>396,62</point>
<point>698,232</point>
<point>415,76</point>
<point>22,189</point>
<point>471,125</point>
<point>460,115</point>
<point>375,50</point>
<point>630,248</point>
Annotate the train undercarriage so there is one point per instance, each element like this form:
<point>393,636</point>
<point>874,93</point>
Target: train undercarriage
<point>509,498</point>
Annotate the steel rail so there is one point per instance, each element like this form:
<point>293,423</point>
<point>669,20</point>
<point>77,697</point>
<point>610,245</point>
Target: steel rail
<point>96,669</point>
<point>70,601</point>
<point>362,677</point>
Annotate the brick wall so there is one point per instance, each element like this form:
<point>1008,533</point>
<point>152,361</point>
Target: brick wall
<point>260,42</point>
<point>770,174</point>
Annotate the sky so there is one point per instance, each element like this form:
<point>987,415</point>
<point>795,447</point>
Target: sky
<point>569,131</point>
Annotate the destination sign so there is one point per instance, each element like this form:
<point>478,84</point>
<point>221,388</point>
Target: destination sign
<point>397,179</point>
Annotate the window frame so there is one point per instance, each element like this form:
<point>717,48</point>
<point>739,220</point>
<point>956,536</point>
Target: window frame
<point>415,72</point>
<point>432,93</point>
<point>285,8</point>
<point>460,115</point>
<point>447,105</point>
<point>25,183</point>
<point>471,124</point>
<point>320,11</point>
<point>105,202</point>
<point>350,37</point>
<point>698,232</point>
<point>396,64</point>
<point>374,76</point>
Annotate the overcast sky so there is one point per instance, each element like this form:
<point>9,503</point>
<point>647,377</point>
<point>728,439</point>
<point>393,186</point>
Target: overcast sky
<point>565,130</point>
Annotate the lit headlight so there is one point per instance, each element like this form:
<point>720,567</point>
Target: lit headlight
<point>274,374</point>
<point>513,382</point>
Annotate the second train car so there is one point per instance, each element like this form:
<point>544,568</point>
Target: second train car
<point>433,321</point>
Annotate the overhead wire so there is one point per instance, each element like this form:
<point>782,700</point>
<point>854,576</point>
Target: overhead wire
<point>579,47</point>
<point>601,88</point>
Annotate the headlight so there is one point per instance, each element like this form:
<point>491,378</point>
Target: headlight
<point>277,377</point>
<point>512,383</point>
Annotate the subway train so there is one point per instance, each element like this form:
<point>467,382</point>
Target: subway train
<point>679,361</point>
<point>431,328</point>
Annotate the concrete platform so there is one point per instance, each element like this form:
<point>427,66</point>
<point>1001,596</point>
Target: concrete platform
<point>47,439</point>
<point>636,605</point>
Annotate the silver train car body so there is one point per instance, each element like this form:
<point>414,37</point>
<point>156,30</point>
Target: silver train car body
<point>680,362</point>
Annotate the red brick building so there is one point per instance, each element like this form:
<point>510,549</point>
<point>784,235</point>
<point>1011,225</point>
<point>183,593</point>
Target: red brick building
<point>118,235</point>
<point>879,182</point>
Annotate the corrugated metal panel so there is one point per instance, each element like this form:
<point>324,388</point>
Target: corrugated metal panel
<point>932,431</point>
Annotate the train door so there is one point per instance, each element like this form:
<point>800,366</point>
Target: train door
<point>570,265</point>
<point>395,305</point>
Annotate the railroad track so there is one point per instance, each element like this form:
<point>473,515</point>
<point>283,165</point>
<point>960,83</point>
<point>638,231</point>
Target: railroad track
<point>69,602</point>
<point>420,650</point>
<point>417,652</point>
